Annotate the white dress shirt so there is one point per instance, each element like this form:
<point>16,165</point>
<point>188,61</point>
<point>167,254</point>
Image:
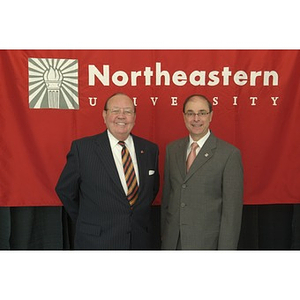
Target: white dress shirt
<point>116,151</point>
<point>200,143</point>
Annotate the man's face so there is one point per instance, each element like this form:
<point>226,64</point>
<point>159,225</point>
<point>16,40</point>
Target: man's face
<point>197,125</point>
<point>119,116</point>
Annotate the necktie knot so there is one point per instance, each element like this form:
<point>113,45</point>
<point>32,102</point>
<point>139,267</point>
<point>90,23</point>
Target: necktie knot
<point>194,146</point>
<point>122,143</point>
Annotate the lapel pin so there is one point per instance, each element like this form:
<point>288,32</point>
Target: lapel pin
<point>206,154</point>
<point>142,151</point>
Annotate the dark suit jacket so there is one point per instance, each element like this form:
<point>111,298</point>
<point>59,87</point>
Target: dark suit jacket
<point>92,194</point>
<point>205,205</point>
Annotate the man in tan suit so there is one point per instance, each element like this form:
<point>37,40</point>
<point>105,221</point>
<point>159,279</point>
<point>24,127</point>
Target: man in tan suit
<point>203,186</point>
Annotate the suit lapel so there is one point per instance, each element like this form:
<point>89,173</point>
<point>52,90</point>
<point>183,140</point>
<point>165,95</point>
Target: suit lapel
<point>205,154</point>
<point>181,156</point>
<point>104,153</point>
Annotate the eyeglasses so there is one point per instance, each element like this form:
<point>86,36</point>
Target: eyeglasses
<point>117,111</point>
<point>191,114</point>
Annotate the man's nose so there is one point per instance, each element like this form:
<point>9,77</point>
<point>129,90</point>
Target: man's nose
<point>196,117</point>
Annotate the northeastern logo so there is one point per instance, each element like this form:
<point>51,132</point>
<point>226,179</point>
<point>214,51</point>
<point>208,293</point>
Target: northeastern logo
<point>53,83</point>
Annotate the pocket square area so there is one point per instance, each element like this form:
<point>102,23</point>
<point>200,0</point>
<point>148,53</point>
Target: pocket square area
<point>151,172</point>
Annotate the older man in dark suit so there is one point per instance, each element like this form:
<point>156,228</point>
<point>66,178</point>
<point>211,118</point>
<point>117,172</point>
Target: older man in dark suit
<point>203,187</point>
<point>110,181</point>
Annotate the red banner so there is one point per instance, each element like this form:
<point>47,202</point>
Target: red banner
<point>50,97</point>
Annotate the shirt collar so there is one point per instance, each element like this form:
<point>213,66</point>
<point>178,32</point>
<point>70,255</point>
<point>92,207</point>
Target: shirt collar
<point>113,141</point>
<point>201,141</point>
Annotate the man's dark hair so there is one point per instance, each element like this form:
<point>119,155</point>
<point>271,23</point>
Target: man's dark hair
<point>197,95</point>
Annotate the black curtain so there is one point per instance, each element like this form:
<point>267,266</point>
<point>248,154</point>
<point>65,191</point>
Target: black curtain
<point>270,227</point>
<point>33,228</point>
<point>264,227</point>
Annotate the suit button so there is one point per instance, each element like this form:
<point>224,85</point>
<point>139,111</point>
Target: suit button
<point>183,205</point>
<point>184,186</point>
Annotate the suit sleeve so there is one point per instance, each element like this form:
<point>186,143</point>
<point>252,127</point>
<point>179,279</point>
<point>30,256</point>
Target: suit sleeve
<point>67,187</point>
<point>232,206</point>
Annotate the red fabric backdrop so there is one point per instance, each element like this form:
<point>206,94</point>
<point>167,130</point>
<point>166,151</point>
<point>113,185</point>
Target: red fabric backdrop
<point>256,96</point>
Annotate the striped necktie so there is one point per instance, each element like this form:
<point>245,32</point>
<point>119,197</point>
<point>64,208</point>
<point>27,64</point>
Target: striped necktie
<point>130,176</point>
